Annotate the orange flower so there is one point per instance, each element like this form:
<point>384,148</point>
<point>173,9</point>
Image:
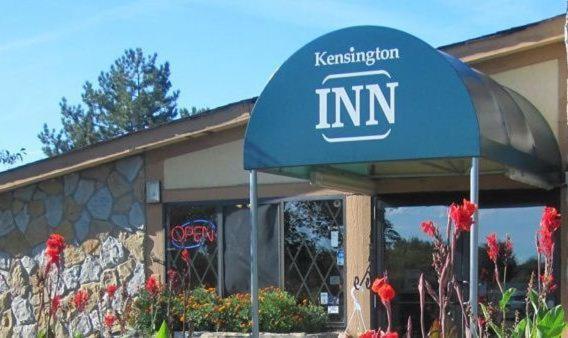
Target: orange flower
<point>389,335</point>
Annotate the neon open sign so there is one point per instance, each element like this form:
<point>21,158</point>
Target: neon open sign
<point>193,234</point>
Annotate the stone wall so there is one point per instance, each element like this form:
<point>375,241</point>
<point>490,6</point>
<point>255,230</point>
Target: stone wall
<point>101,214</point>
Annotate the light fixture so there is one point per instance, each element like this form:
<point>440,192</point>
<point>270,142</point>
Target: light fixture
<point>153,191</point>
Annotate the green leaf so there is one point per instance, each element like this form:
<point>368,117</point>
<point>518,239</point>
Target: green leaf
<point>78,335</point>
<point>506,298</point>
<point>41,334</point>
<point>552,323</point>
<point>498,332</point>
<point>533,297</point>
<point>484,311</point>
<point>519,329</point>
<point>163,332</point>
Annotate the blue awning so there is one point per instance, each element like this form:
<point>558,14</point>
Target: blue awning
<point>371,102</point>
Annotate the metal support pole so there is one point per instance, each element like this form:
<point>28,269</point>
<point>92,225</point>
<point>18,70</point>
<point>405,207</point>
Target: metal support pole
<point>473,239</point>
<point>253,252</point>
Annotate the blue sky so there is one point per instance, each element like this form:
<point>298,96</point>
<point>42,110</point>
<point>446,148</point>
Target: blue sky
<point>219,51</point>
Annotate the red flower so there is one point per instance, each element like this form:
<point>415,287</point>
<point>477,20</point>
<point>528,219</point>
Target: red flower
<point>550,219</point>
<point>55,304</point>
<point>152,285</point>
<point>80,300</point>
<point>369,334</point>
<point>461,215</point>
<point>55,245</point>
<point>386,293</point>
<point>185,256</point>
<point>545,242</point>
<point>508,248</point>
<point>428,228</point>
<point>172,276</point>
<point>110,290</point>
<point>389,335</point>
<point>492,247</point>
<point>377,284</point>
<point>109,320</point>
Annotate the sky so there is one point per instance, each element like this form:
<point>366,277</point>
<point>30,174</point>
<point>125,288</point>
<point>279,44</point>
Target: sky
<point>220,51</point>
<point>519,223</point>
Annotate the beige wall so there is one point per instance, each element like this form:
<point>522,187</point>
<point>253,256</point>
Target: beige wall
<point>537,82</point>
<point>217,166</point>
<point>357,243</point>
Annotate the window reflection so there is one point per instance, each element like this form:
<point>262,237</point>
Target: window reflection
<point>407,253</point>
<point>314,254</point>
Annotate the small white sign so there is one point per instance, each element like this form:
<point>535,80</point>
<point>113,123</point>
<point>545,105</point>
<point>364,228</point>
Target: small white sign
<point>334,239</point>
<point>333,309</point>
<point>323,298</point>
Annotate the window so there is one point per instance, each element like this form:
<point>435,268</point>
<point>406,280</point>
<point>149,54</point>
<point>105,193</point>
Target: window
<point>203,264</point>
<point>314,257</point>
<point>407,254</point>
<point>301,248</point>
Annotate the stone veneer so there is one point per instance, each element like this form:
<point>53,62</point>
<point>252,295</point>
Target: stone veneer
<point>100,212</point>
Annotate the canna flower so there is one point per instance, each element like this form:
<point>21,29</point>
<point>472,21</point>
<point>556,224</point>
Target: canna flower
<point>429,228</point>
<point>109,320</point>
<point>55,305</point>
<point>110,290</point>
<point>462,215</point>
<point>185,256</point>
<point>386,293</point>
<point>152,285</point>
<point>377,284</point>
<point>508,252</point>
<point>55,245</point>
<point>550,219</point>
<point>389,335</point>
<point>369,334</point>
<point>80,300</point>
<point>492,247</point>
<point>545,243</point>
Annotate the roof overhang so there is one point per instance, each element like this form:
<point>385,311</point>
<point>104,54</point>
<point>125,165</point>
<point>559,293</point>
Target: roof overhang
<point>365,101</point>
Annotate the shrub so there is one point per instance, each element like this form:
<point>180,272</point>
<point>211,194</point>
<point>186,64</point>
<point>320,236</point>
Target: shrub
<point>233,313</point>
<point>200,309</point>
<point>312,318</point>
<point>278,311</point>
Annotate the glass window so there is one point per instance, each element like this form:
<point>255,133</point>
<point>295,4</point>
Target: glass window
<point>236,247</point>
<point>195,228</point>
<point>407,253</point>
<point>314,257</point>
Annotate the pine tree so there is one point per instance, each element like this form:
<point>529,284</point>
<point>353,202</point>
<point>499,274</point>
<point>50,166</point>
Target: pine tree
<point>134,94</point>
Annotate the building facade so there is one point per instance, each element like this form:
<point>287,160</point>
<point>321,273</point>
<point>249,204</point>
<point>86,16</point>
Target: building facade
<point>125,206</point>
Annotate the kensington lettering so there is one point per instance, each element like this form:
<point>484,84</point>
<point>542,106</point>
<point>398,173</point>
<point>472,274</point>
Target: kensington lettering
<point>368,57</point>
<point>370,91</point>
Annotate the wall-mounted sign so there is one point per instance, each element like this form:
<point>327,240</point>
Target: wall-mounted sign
<point>193,234</point>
